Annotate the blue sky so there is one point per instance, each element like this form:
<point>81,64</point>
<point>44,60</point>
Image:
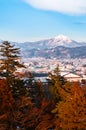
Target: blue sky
<point>30,20</point>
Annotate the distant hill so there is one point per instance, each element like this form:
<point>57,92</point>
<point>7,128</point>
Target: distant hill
<point>57,52</point>
<point>60,47</point>
<point>60,40</point>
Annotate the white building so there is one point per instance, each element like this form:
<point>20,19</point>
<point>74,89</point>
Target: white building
<point>72,77</point>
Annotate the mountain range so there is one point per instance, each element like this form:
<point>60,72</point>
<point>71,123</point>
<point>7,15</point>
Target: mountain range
<point>59,40</point>
<point>59,47</point>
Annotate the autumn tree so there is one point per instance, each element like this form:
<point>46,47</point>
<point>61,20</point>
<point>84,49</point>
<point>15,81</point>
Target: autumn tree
<point>23,110</point>
<point>70,103</point>
<point>31,117</point>
<point>71,112</point>
<point>13,112</point>
<point>56,84</point>
<point>6,107</point>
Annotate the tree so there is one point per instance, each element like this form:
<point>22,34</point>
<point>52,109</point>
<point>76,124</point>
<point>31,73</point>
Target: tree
<point>19,88</point>
<point>6,107</point>
<point>23,109</point>
<point>9,61</point>
<point>56,83</point>
<point>35,90</point>
<point>10,57</point>
<point>71,112</point>
<point>70,103</point>
<point>30,117</point>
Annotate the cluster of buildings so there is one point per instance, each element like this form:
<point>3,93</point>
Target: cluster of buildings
<point>71,69</point>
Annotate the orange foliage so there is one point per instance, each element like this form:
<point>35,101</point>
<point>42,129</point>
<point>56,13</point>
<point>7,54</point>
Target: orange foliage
<point>6,99</point>
<point>6,104</point>
<point>71,112</point>
<point>31,117</point>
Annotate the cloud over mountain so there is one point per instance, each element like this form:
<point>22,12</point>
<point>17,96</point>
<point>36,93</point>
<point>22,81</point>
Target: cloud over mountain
<point>73,7</point>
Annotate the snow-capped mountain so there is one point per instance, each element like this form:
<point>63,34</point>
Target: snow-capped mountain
<point>59,40</point>
<point>62,40</point>
<point>59,46</point>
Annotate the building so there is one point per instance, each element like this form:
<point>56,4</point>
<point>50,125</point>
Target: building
<point>72,77</point>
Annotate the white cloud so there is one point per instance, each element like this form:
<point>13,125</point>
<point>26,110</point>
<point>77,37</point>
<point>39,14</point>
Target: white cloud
<point>64,6</point>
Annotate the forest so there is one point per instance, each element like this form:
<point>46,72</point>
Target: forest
<point>29,104</point>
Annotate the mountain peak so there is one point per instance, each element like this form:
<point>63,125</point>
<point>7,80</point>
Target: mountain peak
<point>63,38</point>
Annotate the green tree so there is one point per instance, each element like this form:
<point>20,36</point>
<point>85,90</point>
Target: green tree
<point>9,59</point>
<point>35,90</point>
<point>10,62</point>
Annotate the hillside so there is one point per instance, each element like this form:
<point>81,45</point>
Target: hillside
<point>58,47</point>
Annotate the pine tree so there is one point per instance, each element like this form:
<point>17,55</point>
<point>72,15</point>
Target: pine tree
<point>56,83</point>
<point>10,57</point>
<point>35,90</point>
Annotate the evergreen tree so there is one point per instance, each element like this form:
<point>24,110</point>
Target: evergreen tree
<point>10,57</point>
<point>35,90</point>
<point>56,83</point>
